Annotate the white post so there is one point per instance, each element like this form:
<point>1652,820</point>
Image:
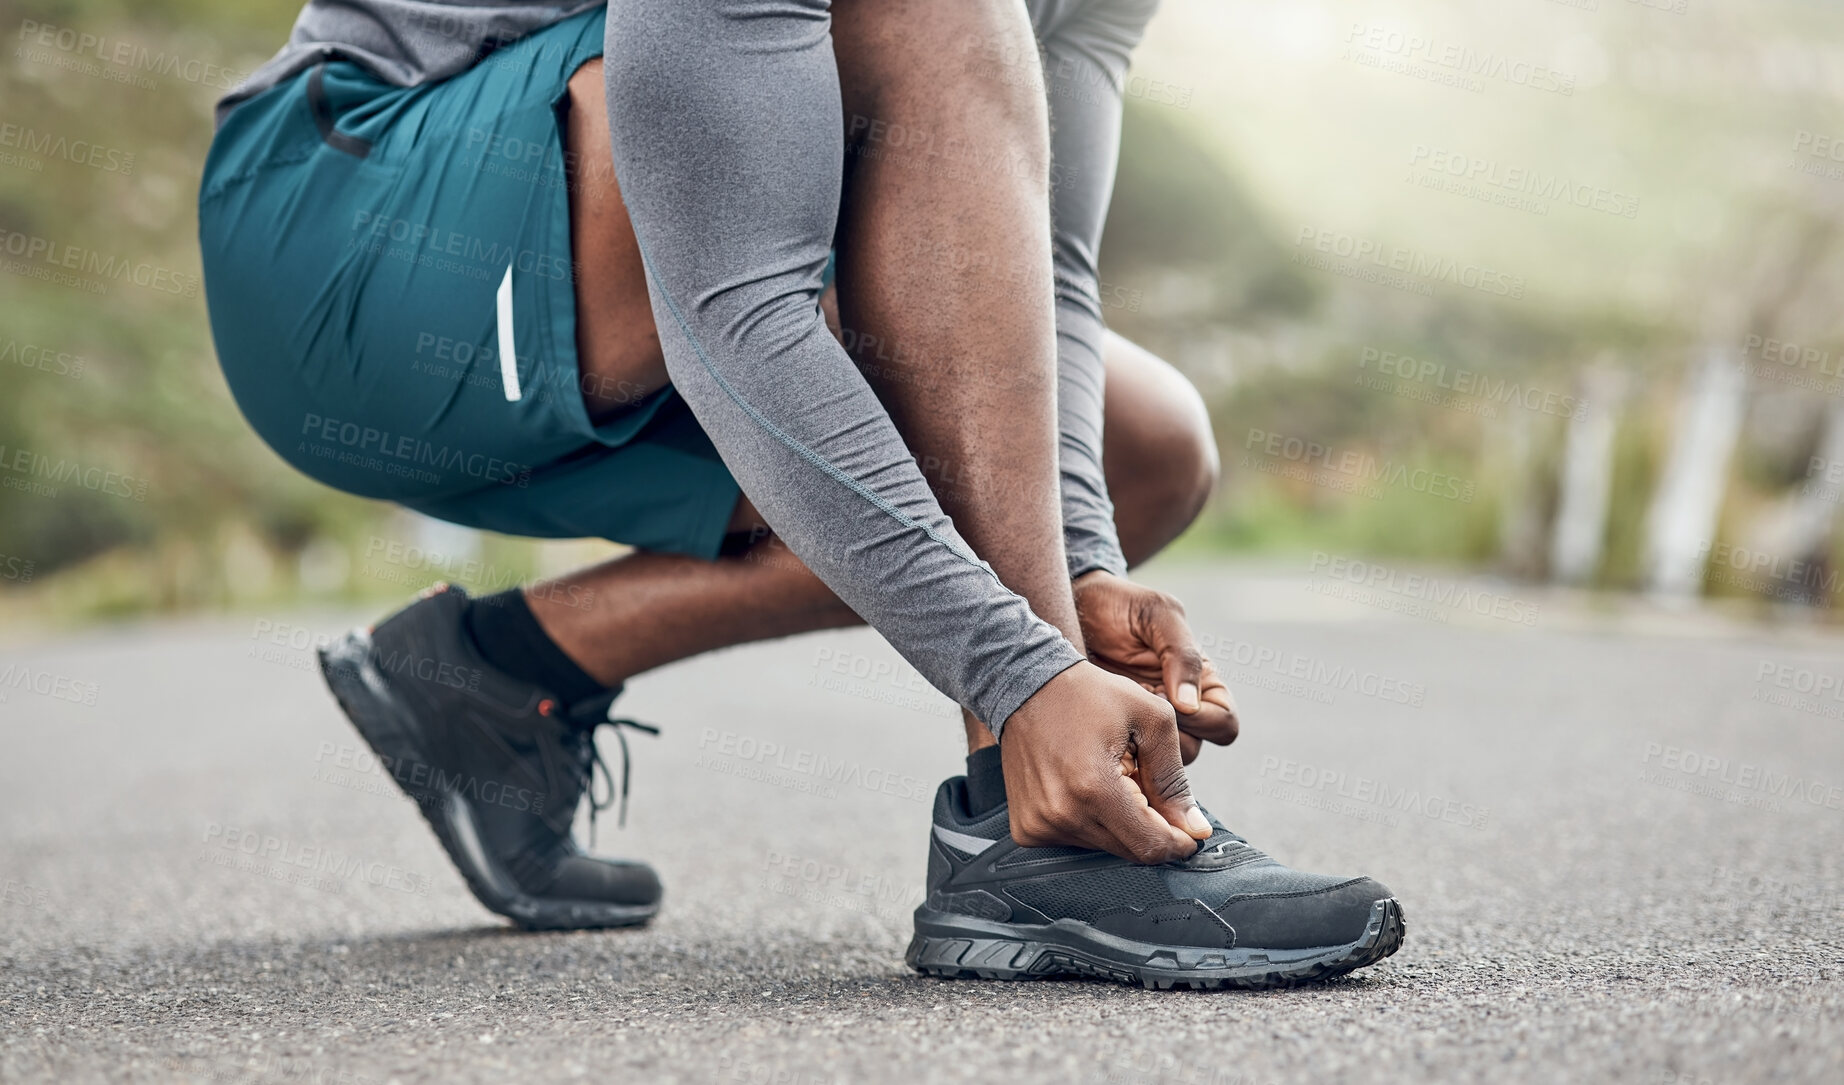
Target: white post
<point>1798,527</point>
<point>1681,524</point>
<point>1580,530</point>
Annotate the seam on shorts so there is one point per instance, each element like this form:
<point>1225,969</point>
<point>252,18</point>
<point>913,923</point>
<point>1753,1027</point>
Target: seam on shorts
<point>222,185</point>
<point>826,467</point>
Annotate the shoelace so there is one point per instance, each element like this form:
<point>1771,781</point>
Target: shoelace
<point>590,715</point>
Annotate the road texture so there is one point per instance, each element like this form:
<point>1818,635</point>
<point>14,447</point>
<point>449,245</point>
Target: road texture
<point>1618,837</point>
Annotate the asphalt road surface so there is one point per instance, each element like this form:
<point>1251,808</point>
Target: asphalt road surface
<point>1618,838</point>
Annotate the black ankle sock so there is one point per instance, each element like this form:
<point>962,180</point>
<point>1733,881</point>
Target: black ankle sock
<point>985,781</point>
<point>509,636</point>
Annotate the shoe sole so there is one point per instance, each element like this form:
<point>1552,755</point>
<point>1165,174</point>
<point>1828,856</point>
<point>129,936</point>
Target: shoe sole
<point>965,947</point>
<point>393,734</point>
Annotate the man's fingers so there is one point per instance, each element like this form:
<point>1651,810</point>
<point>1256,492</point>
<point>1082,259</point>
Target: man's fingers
<point>1181,661</point>
<point>1216,719</point>
<point>1162,774</point>
<point>1139,832</point>
<point>1212,723</point>
<point>1189,747</point>
<point>1117,821</point>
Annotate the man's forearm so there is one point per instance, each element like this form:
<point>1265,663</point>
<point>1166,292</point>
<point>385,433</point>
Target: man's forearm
<point>733,259</point>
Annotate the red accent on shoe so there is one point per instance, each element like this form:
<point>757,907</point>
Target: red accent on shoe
<point>546,707</point>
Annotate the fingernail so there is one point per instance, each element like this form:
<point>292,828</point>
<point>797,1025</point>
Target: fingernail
<point>1197,822</point>
<point>1187,694</point>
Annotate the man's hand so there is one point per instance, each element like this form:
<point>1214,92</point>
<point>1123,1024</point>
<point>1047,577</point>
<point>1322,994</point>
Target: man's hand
<point>1092,760</point>
<point>1133,630</point>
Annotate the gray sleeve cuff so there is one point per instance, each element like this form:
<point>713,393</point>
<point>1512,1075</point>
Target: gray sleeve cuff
<point>1027,679</point>
<point>1087,553</point>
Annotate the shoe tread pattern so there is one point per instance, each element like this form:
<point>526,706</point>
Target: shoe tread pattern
<point>1007,959</point>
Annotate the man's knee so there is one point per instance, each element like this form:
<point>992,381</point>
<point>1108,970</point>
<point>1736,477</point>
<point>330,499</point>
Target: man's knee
<point>1158,446</point>
<point>1190,466</point>
<point>1163,473</point>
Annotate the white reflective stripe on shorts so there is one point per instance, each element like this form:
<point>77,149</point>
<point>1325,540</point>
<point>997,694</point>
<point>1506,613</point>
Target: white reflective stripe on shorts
<point>508,357</point>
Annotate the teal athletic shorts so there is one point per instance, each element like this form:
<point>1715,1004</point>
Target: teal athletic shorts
<point>391,291</point>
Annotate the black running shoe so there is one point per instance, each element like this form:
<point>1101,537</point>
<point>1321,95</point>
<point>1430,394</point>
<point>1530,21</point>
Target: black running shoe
<point>496,765</point>
<point>1229,916</point>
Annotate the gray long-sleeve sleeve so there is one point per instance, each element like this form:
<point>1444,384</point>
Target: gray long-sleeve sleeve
<point>728,145</point>
<point>1087,45</point>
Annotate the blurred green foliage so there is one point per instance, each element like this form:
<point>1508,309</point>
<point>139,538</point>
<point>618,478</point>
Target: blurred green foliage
<point>1200,266</point>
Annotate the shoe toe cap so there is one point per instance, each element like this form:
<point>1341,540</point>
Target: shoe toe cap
<point>1332,916</point>
<point>605,881</point>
